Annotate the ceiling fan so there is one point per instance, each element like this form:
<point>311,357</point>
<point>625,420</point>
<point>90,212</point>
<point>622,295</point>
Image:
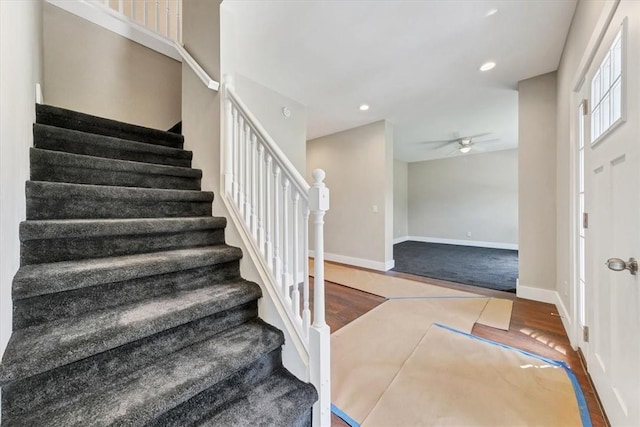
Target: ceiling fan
<point>464,143</point>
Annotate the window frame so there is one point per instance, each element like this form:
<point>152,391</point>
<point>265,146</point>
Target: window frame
<point>622,34</point>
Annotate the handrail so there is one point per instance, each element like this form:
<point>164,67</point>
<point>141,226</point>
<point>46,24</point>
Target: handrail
<point>274,149</point>
<point>200,72</point>
<point>271,204</point>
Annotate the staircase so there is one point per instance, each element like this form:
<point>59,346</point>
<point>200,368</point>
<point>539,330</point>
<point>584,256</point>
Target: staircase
<point>129,308</point>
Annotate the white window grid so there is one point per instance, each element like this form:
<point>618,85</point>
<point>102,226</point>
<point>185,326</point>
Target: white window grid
<point>606,90</point>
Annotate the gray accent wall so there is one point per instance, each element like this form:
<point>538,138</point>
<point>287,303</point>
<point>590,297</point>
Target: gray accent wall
<point>537,155</point>
<point>475,193</point>
<point>359,167</point>
<point>400,199</point>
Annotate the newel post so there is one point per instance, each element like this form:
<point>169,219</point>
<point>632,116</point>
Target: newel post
<point>319,333</point>
<point>227,145</point>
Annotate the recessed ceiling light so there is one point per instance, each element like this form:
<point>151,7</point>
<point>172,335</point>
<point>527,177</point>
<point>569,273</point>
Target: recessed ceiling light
<point>487,66</point>
<point>491,12</point>
<point>364,107</point>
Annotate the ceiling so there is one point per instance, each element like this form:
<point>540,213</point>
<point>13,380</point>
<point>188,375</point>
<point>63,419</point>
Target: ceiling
<point>416,63</point>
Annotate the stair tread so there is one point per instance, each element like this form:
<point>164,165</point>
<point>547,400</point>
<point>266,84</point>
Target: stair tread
<point>68,228</point>
<point>40,279</point>
<point>44,347</point>
<point>279,400</point>
<point>169,381</point>
<point>72,160</point>
<point>62,190</point>
<point>61,117</point>
<point>45,134</point>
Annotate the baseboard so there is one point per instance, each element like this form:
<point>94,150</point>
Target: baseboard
<point>474,243</point>
<point>401,239</point>
<point>536,294</point>
<point>357,262</point>
<point>565,317</point>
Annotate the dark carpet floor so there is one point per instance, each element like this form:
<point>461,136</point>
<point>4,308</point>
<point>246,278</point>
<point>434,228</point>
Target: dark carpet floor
<point>484,267</point>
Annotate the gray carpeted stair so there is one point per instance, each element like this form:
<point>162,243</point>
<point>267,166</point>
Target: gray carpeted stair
<point>129,308</point>
<point>73,141</point>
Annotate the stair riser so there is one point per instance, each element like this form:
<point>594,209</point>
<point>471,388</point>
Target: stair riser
<point>78,378</point>
<point>79,208</point>
<point>42,171</point>
<point>36,310</point>
<point>199,407</point>
<point>73,120</point>
<point>87,144</point>
<point>55,250</point>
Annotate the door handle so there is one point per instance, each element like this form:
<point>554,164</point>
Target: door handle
<point>617,264</point>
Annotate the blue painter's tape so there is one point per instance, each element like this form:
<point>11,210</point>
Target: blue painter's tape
<point>441,297</point>
<point>346,418</point>
<point>582,403</point>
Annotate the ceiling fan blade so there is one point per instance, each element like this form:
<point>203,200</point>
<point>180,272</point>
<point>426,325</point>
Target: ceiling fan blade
<point>478,149</point>
<point>451,152</point>
<point>480,135</point>
<point>441,141</point>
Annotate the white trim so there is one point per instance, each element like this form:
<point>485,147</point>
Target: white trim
<point>401,239</point>
<point>567,320</point>
<point>113,21</point>
<point>475,243</point>
<point>608,10</point>
<point>357,262</point>
<point>536,294</point>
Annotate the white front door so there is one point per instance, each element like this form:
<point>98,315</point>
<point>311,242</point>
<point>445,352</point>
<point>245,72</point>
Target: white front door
<point>612,195</point>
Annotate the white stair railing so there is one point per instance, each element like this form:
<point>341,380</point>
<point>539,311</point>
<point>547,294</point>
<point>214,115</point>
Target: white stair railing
<point>273,202</point>
<point>160,16</point>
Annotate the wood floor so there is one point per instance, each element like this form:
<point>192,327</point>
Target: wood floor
<point>535,327</point>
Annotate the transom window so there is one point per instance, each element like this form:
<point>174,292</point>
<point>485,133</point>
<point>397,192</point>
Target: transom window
<point>606,91</point>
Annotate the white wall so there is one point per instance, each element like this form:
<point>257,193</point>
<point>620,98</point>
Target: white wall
<point>290,134</point>
<point>400,199</point>
<point>537,138</point>
<point>475,193</point>
<point>201,128</point>
<point>20,70</point>
<point>93,70</point>
<point>582,27</point>
<point>359,167</point>
<point>266,105</point>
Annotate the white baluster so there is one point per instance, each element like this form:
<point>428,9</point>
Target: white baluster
<point>228,146</point>
<point>168,19</point>
<point>247,174</point>
<point>145,13</point>
<point>241,164</point>
<point>268,218</point>
<point>319,334</point>
<point>261,184</point>
<point>157,15</point>
<point>276,224</point>
<point>254,187</point>
<point>133,10</point>
<point>306,312</point>
<point>295,254</point>
<point>178,26</point>
<point>285,238</point>
<point>121,6</point>
<point>236,161</point>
